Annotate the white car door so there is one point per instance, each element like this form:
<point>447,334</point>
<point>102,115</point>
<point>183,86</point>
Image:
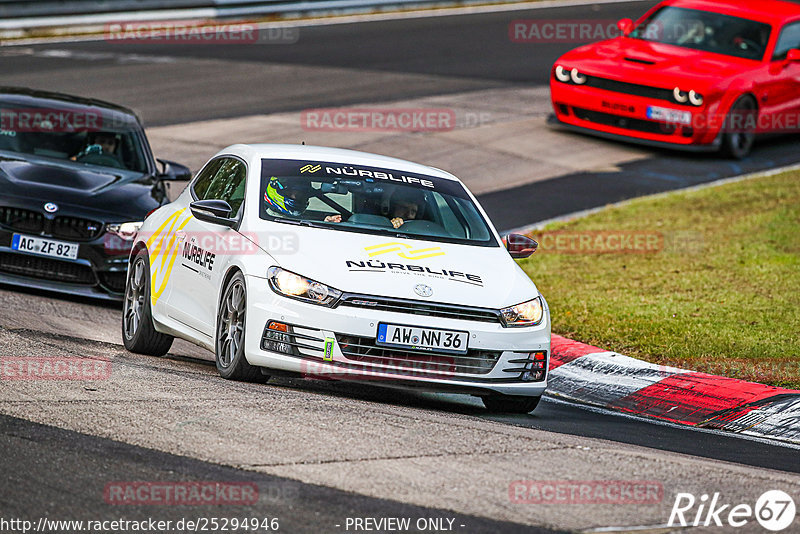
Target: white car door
<point>206,248</point>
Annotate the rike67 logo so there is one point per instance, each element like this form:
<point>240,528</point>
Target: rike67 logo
<point>774,510</point>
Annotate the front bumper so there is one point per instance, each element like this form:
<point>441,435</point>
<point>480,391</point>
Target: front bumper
<point>715,145</point>
<point>98,272</point>
<point>625,117</point>
<point>497,360</point>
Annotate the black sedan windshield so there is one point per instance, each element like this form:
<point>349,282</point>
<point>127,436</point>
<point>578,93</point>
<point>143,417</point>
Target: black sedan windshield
<point>707,31</point>
<point>85,135</point>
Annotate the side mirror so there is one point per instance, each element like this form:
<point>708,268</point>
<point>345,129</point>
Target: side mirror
<point>625,26</point>
<point>174,171</point>
<point>793,55</point>
<point>213,211</point>
<point>520,246</point>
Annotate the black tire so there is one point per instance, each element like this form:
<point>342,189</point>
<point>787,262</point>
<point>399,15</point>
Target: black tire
<point>231,328</point>
<point>510,403</point>
<point>139,334</point>
<point>738,139</point>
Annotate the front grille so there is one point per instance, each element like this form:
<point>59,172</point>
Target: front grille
<point>46,268</point>
<point>114,281</point>
<point>364,349</point>
<point>63,227</point>
<point>618,121</point>
<point>76,229</point>
<point>632,89</point>
<point>415,307</point>
<point>21,220</point>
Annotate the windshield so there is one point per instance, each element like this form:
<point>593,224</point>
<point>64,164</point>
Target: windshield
<point>703,30</point>
<point>371,200</point>
<point>88,136</point>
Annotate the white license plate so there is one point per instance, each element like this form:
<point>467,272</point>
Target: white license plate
<point>428,339</point>
<point>673,116</point>
<point>45,247</point>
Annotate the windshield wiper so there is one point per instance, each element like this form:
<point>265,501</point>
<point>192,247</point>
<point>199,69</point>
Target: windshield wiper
<point>300,222</point>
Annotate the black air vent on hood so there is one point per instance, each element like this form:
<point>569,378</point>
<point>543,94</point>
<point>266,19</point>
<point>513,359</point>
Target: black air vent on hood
<point>637,60</point>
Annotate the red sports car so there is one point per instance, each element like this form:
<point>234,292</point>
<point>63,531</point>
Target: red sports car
<point>692,74</point>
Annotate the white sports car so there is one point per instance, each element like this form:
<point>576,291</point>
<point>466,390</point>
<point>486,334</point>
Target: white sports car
<point>320,262</point>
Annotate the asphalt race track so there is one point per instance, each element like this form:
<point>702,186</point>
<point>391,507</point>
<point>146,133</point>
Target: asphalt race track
<point>332,451</point>
<point>358,63</point>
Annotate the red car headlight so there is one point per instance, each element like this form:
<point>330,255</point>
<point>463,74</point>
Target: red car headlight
<point>562,74</point>
<point>692,97</point>
<point>577,77</point>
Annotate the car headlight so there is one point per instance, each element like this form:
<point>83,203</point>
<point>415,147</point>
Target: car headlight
<point>526,314</point>
<point>126,231</point>
<point>562,74</point>
<point>293,285</point>
<point>695,98</point>
<point>577,77</point>
<point>681,97</point>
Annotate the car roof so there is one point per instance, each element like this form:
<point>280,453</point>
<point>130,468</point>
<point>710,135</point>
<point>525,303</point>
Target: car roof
<point>761,10</point>
<point>334,155</point>
<point>25,96</point>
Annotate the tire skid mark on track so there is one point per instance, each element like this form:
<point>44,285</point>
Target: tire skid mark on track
<point>401,457</point>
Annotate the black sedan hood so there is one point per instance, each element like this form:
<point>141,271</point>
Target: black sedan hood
<point>107,195</point>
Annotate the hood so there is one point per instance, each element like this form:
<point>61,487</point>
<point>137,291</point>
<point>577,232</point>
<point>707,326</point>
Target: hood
<point>352,262</point>
<point>655,64</point>
<point>110,195</point>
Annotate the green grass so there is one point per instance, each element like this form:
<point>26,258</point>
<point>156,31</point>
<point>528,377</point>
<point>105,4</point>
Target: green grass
<point>722,295</point>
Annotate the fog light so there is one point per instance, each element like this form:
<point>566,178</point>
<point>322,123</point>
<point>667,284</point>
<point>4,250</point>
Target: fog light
<point>533,376</point>
<point>535,367</point>
<point>277,338</point>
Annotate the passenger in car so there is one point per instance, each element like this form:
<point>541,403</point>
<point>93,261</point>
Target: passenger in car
<point>405,204</point>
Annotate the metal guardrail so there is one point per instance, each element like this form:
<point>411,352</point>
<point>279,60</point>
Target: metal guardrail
<point>49,8</point>
<point>25,14</point>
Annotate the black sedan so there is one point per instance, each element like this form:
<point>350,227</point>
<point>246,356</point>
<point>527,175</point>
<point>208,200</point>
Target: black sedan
<point>77,178</point>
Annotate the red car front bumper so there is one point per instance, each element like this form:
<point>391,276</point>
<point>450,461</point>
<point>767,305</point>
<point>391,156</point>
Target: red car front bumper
<point>636,118</point>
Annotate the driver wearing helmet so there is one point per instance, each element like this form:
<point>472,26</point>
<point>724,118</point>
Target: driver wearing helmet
<point>286,199</point>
